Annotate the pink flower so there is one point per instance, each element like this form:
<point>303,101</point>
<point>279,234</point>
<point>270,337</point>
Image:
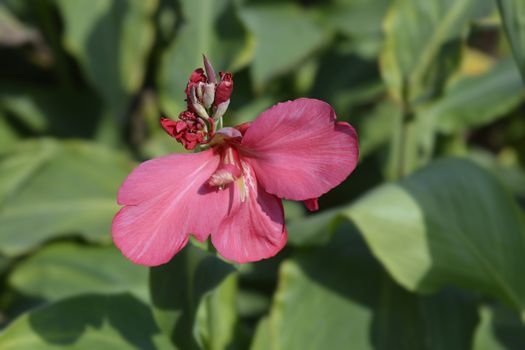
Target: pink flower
<point>232,191</point>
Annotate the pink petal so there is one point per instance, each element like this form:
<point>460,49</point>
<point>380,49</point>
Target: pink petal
<point>254,229</point>
<point>298,151</point>
<point>167,199</point>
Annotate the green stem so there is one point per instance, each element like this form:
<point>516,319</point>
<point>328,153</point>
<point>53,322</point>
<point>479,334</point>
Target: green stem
<point>401,145</point>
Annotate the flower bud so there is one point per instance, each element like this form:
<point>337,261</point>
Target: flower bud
<point>221,109</point>
<point>209,95</point>
<point>209,70</point>
<point>196,77</point>
<point>224,88</point>
<point>197,106</point>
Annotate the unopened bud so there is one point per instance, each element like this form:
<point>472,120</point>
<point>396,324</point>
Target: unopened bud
<point>199,90</point>
<point>224,88</point>
<point>199,109</point>
<point>221,109</point>
<point>209,95</point>
<point>209,70</point>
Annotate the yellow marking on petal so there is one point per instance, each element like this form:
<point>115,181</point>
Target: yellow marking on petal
<point>242,188</point>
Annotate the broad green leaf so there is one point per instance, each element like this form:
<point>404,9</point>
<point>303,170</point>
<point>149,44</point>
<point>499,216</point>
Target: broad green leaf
<point>315,230</point>
<point>285,35</point>
<point>86,322</point>
<point>338,297</point>
<point>180,287</point>
<point>209,27</point>
<point>477,100</point>
<point>509,172</point>
<point>450,223</point>
<point>62,270</point>
<point>217,316</point>
<point>50,188</point>
<point>262,339</point>
<point>8,136</point>
<point>45,109</point>
<point>111,40</point>
<point>423,43</point>
<point>513,16</point>
<point>346,81</point>
<point>499,329</point>
<point>361,20</point>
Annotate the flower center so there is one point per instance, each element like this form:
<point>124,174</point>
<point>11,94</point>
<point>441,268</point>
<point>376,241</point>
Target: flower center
<point>230,168</point>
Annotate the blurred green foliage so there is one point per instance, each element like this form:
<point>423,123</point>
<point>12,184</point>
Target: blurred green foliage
<point>423,247</point>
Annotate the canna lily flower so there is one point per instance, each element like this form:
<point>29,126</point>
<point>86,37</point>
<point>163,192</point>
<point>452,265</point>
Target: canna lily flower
<point>232,190</point>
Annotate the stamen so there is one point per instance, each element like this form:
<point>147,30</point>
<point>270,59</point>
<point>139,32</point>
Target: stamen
<point>229,170</point>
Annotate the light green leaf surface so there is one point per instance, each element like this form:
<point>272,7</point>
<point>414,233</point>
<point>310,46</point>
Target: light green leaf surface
<point>262,338</point>
<point>111,40</point>
<point>8,136</point>
<point>450,223</point>
<point>477,100</point>
<point>216,316</point>
<point>118,322</point>
<point>499,329</point>
<point>338,297</point>
<point>209,27</point>
<point>282,46</point>
<point>62,270</point>
<point>50,189</point>
<point>513,15</point>
<point>423,42</point>
<point>178,290</point>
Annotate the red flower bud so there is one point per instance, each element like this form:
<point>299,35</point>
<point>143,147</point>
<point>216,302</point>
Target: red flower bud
<point>224,89</point>
<point>196,77</point>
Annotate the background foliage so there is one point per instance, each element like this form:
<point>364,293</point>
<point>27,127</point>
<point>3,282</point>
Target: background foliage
<point>423,247</point>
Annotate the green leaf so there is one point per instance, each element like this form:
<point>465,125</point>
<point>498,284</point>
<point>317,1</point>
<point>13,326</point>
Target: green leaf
<point>360,20</point>
<point>216,316</point>
<point>423,43</point>
<point>473,101</point>
<point>510,173</point>
<point>375,128</point>
<point>86,322</point>
<point>180,287</point>
<point>285,35</point>
<point>316,230</point>
<point>499,329</point>
<point>45,109</point>
<point>513,15</point>
<point>62,270</point>
<point>50,188</point>
<point>111,40</point>
<point>450,223</point>
<point>345,80</point>
<point>341,298</point>
<point>210,27</point>
<point>8,136</point>
<point>262,338</point>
